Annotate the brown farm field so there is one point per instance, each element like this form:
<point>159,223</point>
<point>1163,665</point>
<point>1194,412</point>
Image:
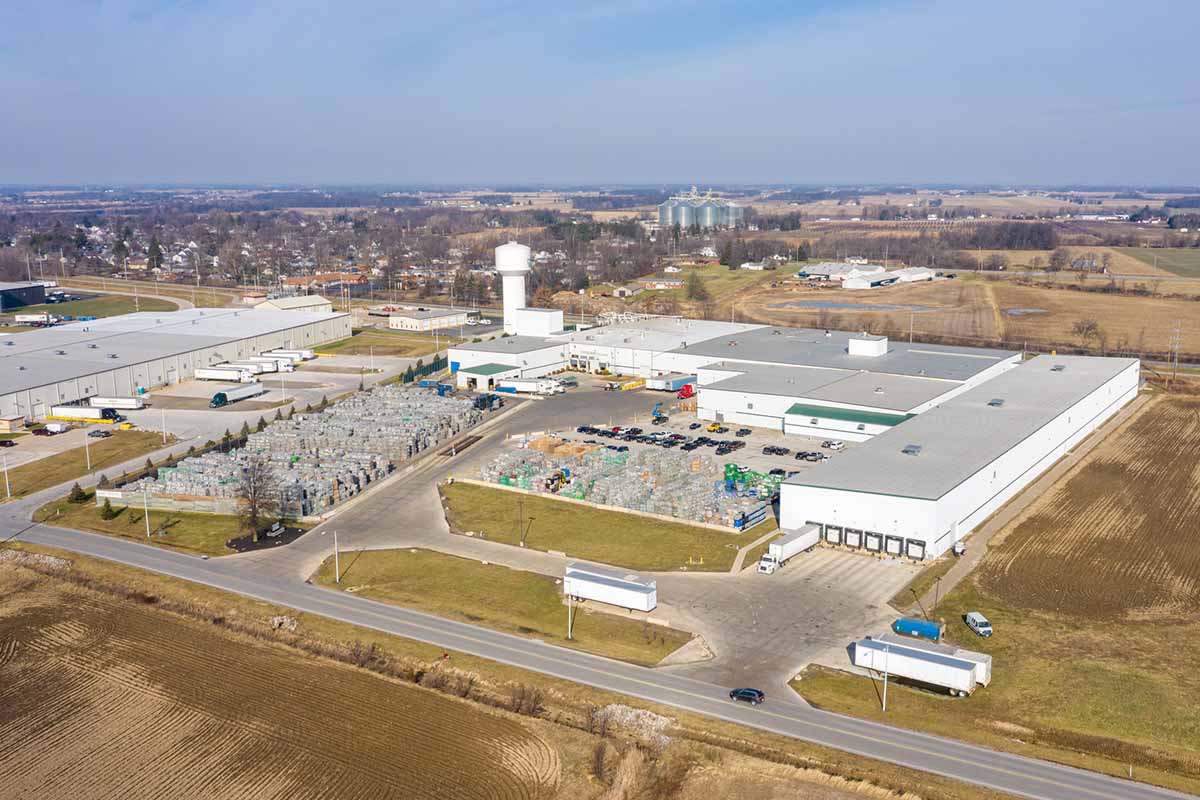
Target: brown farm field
<point>1094,592</point>
<point>104,698</point>
<point>982,311</point>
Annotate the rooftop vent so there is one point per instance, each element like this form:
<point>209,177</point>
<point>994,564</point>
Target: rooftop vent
<point>996,402</point>
<point>113,355</point>
<point>92,346</point>
<point>911,450</point>
<point>878,390</point>
<point>21,368</point>
<point>1058,367</point>
<point>8,343</point>
<point>60,352</point>
<point>777,332</point>
<point>828,335</point>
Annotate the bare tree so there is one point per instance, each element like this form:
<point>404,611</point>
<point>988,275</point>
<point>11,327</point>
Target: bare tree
<point>259,495</point>
<point>1086,330</point>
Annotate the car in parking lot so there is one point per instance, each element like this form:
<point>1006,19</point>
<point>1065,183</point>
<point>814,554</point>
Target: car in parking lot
<point>775,450</point>
<point>7,443</point>
<point>778,471</point>
<point>747,695</point>
<point>695,426</point>
<point>99,434</point>
<point>743,432</point>
<point>42,432</point>
<point>736,445</point>
<point>833,444</point>
<point>717,427</point>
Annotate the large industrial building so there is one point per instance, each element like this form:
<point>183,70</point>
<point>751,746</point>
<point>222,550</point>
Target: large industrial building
<point>706,213</point>
<point>948,433</point>
<point>118,356</point>
<point>20,294</point>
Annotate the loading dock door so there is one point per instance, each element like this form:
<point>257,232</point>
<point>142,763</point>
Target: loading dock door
<point>916,549</point>
<point>894,545</point>
<point>833,534</point>
<point>854,538</point>
<point>873,541</point>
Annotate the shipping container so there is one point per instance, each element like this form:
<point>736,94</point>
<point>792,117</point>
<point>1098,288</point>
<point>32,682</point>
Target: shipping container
<point>232,395</point>
<point>123,403</point>
<point>614,587</point>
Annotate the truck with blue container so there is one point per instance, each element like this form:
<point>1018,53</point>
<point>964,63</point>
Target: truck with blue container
<point>919,628</point>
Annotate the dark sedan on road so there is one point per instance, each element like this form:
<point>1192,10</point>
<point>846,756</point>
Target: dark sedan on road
<point>747,695</point>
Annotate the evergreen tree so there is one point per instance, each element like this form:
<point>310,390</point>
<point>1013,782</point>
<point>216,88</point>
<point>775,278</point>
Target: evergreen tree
<point>106,510</point>
<point>78,495</point>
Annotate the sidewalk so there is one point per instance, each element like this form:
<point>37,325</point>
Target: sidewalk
<point>977,544</point>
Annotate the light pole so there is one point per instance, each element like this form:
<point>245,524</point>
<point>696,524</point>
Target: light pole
<point>163,411</point>
<point>937,584</point>
<point>146,511</point>
<point>337,563</point>
<point>7,486</point>
<point>886,651</point>
<point>87,452</point>
<point>570,617</point>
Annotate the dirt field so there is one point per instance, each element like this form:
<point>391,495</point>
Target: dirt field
<point>388,343</point>
<point>102,698</point>
<point>984,312</point>
<point>1094,593</point>
<point>1120,538</point>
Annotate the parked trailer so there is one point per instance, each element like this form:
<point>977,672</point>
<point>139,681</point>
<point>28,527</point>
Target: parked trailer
<point>919,664</point>
<point>780,551</point>
<point>282,363</point>
<point>614,587</point>
<point>254,368</point>
<point>57,427</point>
<point>531,386</point>
<point>982,661</point>
<point>123,403</point>
<point>43,318</point>
<point>298,355</point>
<point>227,396</point>
<point>919,628</point>
<point>672,382</point>
<point>84,414</point>
<point>228,374</point>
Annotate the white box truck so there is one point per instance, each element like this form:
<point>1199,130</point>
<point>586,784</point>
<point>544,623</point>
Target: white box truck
<point>232,395</point>
<point>229,374</point>
<point>123,403</point>
<point>956,675</point>
<point>615,587</point>
<point>84,414</point>
<point>783,548</point>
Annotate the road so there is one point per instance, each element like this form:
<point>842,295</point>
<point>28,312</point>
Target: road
<point>999,771</point>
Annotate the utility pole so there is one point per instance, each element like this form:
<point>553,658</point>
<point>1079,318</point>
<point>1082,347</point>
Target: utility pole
<point>570,617</point>
<point>1174,354</point>
<point>87,452</point>
<point>7,485</point>
<point>163,411</point>
<point>886,651</point>
<point>146,511</point>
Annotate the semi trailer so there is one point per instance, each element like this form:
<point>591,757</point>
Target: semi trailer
<point>672,382</point>
<point>784,548</point>
<point>232,395</point>
<point>530,386</point>
<point>958,672</point>
<point>282,363</point>
<point>296,355</point>
<point>618,588</point>
<point>228,374</point>
<point>123,403</point>
<point>84,414</point>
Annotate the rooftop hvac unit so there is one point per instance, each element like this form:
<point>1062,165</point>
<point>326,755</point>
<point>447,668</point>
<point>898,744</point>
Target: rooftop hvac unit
<point>1058,367</point>
<point>911,450</point>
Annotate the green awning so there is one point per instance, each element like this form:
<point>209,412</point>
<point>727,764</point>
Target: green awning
<point>848,415</point>
<point>488,369</point>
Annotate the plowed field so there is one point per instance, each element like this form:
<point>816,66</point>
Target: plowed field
<point>103,698</point>
<point>1121,535</point>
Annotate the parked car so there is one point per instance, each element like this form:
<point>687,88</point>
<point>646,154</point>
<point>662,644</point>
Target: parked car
<point>833,444</point>
<point>42,432</point>
<point>748,695</point>
<point>99,434</point>
<point>743,432</point>
<point>978,623</point>
<point>717,427</point>
<point>960,548</point>
<point>695,426</point>
<point>7,443</point>
<point>778,471</point>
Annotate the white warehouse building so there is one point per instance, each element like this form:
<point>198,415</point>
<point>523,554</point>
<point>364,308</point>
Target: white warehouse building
<point>117,356</point>
<point>921,486</point>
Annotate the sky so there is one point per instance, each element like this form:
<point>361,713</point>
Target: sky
<point>484,93</point>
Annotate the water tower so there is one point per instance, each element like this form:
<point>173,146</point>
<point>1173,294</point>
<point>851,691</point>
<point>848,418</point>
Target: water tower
<point>512,262</point>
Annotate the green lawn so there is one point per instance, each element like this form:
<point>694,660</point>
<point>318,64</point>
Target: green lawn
<point>72,464</point>
<point>608,537</point>
<point>1100,697</point>
<point>1184,261</point>
<point>720,281</point>
<point>387,343</point>
<point>201,296</point>
<point>756,552</point>
<point>509,600</point>
<point>202,534</point>
<point>923,581</point>
<point>12,435</point>
<point>105,306</point>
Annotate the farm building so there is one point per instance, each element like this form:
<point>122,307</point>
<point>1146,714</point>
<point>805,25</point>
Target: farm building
<point>427,319</point>
<point>311,303</point>
<point>838,271</point>
<point>660,282</point>
<point>919,487</point>
<point>116,356</point>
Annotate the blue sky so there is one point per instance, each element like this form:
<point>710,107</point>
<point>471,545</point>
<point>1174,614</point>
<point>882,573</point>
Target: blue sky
<point>1020,91</point>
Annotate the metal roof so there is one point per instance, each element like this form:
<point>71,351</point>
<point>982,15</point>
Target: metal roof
<point>431,313</point>
<point>488,369</point>
<point>963,435</point>
<point>511,344</point>
<point>290,303</point>
<point>847,414</point>
<point>9,285</point>
<point>916,652</point>
<point>612,577</point>
<point>899,393</point>
<point>816,348</point>
<point>36,358</point>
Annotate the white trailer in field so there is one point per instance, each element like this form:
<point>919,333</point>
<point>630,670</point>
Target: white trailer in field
<point>282,363</point>
<point>615,587</point>
<point>982,661</point>
<point>123,403</point>
<point>228,374</point>
<point>959,676</point>
<point>782,549</point>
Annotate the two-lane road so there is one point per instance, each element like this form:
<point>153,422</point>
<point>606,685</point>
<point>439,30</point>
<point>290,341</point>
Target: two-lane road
<point>1000,771</point>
